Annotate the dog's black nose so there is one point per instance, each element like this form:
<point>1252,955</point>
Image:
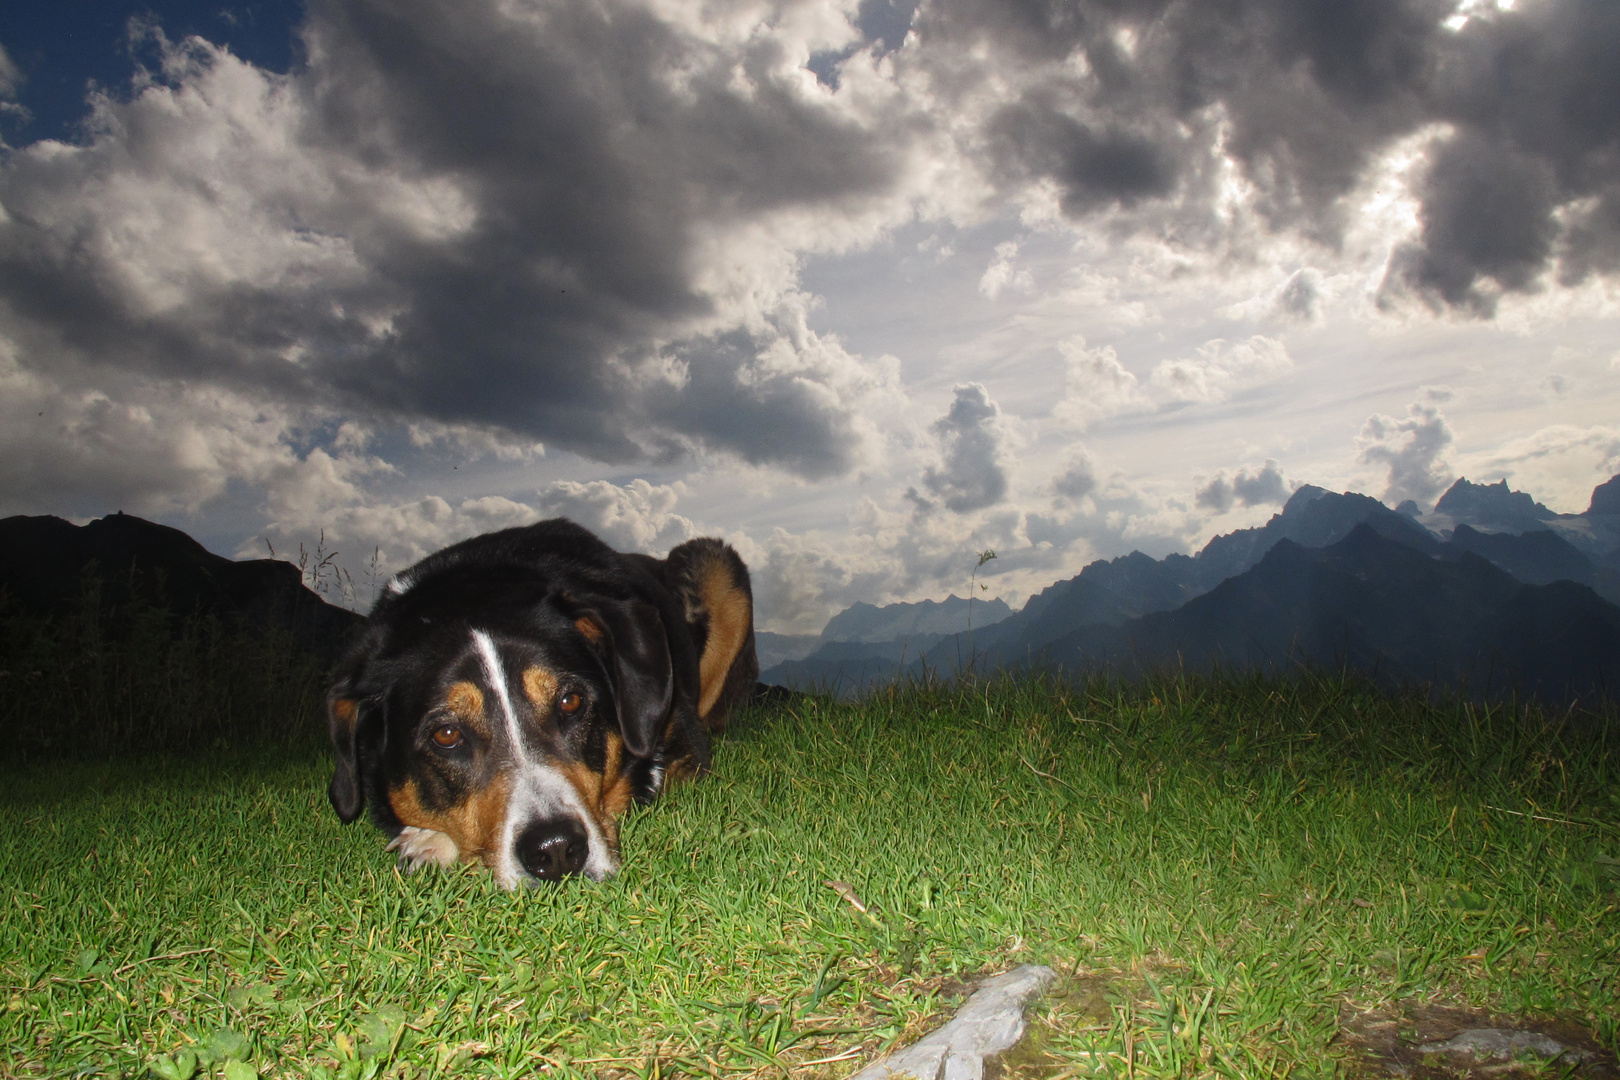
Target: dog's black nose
<point>551,850</point>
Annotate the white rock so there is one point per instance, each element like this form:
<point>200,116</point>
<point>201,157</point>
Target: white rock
<point>992,1021</point>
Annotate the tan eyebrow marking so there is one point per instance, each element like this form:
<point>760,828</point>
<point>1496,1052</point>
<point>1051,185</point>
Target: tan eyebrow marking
<point>466,700</point>
<point>540,686</point>
<point>590,628</point>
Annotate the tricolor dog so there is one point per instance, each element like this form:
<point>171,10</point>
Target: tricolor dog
<point>511,695</point>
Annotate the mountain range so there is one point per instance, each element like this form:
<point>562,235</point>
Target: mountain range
<point>1492,591</point>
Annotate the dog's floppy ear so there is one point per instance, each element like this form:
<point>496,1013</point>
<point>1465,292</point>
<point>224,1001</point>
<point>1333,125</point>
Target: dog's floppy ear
<point>343,720</point>
<point>643,675</point>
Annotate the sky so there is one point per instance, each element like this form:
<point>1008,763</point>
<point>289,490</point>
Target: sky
<point>865,287</point>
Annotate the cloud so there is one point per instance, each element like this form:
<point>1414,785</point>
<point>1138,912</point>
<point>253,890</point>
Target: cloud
<point>472,216</point>
<point>797,581</point>
<point>1077,479</point>
<point>1559,463</point>
<point>1413,447</point>
<point>1096,385</point>
<point>394,534</point>
<point>1221,368</point>
<point>1094,165</point>
<point>638,516</point>
<point>1487,225</point>
<point>90,446</point>
<point>972,474</point>
<point>1001,273</point>
<point>10,76</point>
<point>1261,487</point>
<point>1197,121</point>
<point>1300,298</point>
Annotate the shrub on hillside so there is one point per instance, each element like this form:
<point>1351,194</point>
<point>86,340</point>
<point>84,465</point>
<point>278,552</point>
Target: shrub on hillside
<point>96,677</point>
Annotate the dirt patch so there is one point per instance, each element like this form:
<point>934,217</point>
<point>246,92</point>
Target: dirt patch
<point>1082,1023</point>
<point>1076,1003</point>
<point>1442,1042</point>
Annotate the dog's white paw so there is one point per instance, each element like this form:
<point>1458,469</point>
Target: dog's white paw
<point>423,847</point>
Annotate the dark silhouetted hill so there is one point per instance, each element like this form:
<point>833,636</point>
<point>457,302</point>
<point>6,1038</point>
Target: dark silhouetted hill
<point>1312,518</point>
<point>1535,558</point>
<point>1108,593</point>
<point>43,559</point>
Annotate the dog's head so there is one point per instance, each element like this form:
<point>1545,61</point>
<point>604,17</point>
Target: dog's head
<point>508,720</point>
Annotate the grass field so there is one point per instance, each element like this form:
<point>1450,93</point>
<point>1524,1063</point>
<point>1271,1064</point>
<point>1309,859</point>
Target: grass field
<point>1220,870</point>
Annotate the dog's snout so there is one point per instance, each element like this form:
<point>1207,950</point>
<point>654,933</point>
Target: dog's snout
<point>553,849</point>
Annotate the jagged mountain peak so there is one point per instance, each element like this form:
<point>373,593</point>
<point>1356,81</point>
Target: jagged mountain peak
<point>1605,499</point>
<point>1491,504</point>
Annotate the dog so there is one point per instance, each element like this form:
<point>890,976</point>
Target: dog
<point>510,696</point>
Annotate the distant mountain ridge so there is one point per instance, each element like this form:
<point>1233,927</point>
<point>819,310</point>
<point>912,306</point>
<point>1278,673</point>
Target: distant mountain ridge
<point>1495,508</point>
<point>1314,566</point>
<point>867,622</point>
<point>1374,605</point>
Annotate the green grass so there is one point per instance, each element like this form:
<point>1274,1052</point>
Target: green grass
<point>1230,863</point>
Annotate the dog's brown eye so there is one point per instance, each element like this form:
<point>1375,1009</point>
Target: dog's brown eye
<point>570,702</point>
<point>449,736</point>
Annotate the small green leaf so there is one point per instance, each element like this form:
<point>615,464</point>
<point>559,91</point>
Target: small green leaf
<point>166,1068</point>
<point>240,1070</point>
<point>242,998</point>
<point>226,1044</point>
<point>379,1030</point>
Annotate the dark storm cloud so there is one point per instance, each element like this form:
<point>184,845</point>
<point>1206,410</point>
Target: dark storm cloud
<point>1127,102</point>
<point>1534,95</point>
<point>1094,167</point>
<point>594,154</point>
<point>1260,487</point>
<point>594,177</point>
<point>1487,212</point>
<point>1307,91</point>
<point>971,475</point>
<point>1078,478</point>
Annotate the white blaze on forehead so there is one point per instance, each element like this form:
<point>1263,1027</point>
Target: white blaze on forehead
<point>539,792</point>
<point>495,676</point>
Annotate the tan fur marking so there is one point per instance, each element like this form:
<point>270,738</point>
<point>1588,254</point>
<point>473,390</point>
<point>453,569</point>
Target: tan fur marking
<point>345,710</point>
<point>731,616</point>
<point>616,792</point>
<point>466,703</point>
<point>465,700</point>
<point>606,796</point>
<point>541,687</point>
<point>589,627</point>
<point>474,825</point>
